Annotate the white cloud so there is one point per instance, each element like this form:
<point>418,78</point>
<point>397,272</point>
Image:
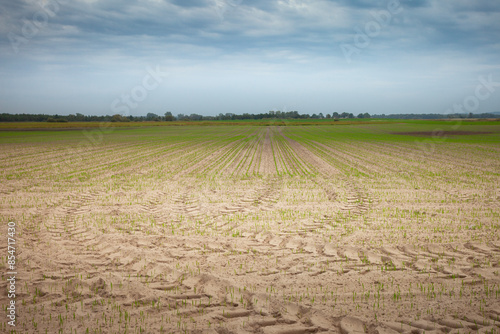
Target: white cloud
<point>258,48</point>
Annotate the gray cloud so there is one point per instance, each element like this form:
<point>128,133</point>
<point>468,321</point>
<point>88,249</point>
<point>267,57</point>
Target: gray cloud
<point>109,43</point>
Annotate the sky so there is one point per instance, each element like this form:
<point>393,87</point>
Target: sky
<point>133,57</point>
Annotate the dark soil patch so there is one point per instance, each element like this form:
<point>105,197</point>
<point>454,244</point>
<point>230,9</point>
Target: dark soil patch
<point>441,133</point>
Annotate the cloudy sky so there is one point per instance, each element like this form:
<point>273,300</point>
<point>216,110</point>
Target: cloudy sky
<point>132,57</point>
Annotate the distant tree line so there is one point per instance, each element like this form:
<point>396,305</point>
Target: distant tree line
<point>169,117</point>
<point>51,118</point>
<point>269,115</point>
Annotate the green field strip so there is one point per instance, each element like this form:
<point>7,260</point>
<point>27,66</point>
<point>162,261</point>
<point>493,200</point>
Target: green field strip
<point>274,154</point>
<point>256,148</point>
<point>237,155</point>
<point>257,156</point>
<point>193,157</point>
<point>253,146</point>
<point>90,156</point>
<point>306,168</point>
<point>279,159</point>
<point>280,154</point>
<point>291,157</point>
<point>110,161</point>
<point>362,162</point>
<point>434,165</point>
<point>309,167</point>
<point>231,144</point>
<point>330,157</point>
<point>231,156</point>
<point>35,160</point>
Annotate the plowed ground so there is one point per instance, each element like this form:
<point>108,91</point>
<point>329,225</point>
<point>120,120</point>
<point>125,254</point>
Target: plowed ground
<point>252,230</point>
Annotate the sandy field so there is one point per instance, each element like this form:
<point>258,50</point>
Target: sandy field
<point>341,229</point>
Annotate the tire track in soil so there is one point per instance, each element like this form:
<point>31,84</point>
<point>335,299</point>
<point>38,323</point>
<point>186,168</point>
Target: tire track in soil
<point>401,258</point>
<point>50,269</point>
<point>167,272</point>
<point>207,297</point>
<point>397,259</point>
<point>103,257</point>
<point>255,200</point>
<point>359,200</point>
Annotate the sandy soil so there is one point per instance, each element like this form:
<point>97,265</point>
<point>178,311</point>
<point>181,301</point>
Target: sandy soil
<point>261,234</point>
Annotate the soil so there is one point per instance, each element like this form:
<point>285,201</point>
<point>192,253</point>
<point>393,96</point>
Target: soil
<point>267,233</point>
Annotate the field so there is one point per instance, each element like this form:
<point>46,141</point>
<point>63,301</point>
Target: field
<point>370,227</point>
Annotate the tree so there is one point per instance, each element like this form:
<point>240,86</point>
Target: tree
<point>361,115</point>
<point>169,117</point>
<point>195,117</point>
<point>116,118</point>
<point>328,116</point>
<point>367,115</point>
<point>58,120</point>
<point>152,117</point>
<point>119,118</point>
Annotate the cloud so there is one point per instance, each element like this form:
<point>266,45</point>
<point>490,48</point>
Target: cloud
<point>443,42</point>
